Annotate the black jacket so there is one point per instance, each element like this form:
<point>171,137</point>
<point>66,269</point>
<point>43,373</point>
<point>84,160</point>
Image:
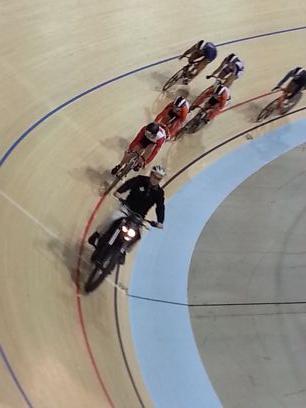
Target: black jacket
<point>143,195</point>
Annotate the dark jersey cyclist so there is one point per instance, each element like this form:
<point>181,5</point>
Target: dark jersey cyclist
<point>143,193</point>
<point>297,83</point>
<point>199,56</point>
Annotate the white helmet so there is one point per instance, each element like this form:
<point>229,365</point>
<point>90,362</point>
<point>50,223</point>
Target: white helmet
<point>179,103</point>
<point>151,131</point>
<point>159,171</point>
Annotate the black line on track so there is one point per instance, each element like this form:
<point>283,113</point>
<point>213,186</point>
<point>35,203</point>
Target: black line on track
<point>120,339</point>
<point>226,142</point>
<point>296,302</point>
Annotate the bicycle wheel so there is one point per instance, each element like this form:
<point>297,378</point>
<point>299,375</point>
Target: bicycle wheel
<point>195,123</point>
<point>290,103</point>
<point>174,79</point>
<point>267,110</point>
<point>123,172</point>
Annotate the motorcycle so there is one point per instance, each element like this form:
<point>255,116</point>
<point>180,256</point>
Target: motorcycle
<point>112,246</point>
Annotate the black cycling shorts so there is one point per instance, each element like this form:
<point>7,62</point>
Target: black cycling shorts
<point>144,142</point>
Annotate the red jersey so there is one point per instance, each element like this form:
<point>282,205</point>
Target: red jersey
<point>140,137</point>
<point>171,120</point>
<point>221,101</point>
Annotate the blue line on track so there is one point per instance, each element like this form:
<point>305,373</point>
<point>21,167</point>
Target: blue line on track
<point>11,371</point>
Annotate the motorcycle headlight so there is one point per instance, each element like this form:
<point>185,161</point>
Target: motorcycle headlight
<point>131,233</point>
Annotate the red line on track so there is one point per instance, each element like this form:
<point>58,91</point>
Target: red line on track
<point>247,101</point>
<point>79,304</point>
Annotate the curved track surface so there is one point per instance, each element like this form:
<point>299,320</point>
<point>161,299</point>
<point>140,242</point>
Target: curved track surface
<point>59,348</point>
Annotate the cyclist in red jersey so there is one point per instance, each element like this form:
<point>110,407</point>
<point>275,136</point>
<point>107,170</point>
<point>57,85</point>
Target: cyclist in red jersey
<point>148,142</point>
<point>216,96</point>
<point>173,116</point>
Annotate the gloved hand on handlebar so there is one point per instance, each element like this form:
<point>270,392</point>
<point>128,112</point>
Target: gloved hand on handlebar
<point>208,76</point>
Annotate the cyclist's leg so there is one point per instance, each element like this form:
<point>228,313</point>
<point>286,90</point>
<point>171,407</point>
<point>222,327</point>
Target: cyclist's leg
<point>127,155</point>
<point>147,151</point>
<point>125,159</point>
<point>290,97</point>
<point>228,81</point>
<point>224,73</point>
<point>201,98</point>
<point>286,95</point>
<point>201,65</point>
<point>280,101</point>
<point>187,70</point>
<point>212,113</point>
<point>172,130</point>
<point>293,89</point>
<point>195,68</point>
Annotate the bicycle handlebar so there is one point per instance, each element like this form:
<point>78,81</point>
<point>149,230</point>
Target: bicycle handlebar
<point>214,76</point>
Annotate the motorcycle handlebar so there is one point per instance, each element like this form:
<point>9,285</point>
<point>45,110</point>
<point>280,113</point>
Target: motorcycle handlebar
<point>128,211</point>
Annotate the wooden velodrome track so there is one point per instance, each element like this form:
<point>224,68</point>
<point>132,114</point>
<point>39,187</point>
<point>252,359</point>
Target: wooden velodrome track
<point>59,348</point>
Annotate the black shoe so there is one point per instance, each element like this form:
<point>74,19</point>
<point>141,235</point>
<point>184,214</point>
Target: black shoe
<point>92,240</point>
<point>122,258</point>
<point>115,170</point>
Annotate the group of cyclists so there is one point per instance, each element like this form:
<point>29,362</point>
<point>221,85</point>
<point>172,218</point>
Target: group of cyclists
<point>170,121</point>
<point>145,191</point>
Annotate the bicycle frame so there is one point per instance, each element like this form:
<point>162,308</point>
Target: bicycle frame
<point>204,95</point>
<point>283,98</point>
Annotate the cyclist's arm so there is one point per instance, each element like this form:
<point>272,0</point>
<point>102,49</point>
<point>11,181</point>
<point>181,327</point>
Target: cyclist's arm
<point>198,60</point>
<point>190,50</point>
<point>220,67</point>
<point>178,123</point>
<point>162,116</point>
<point>160,208</point>
<point>201,98</point>
<point>155,150</point>
<point>223,100</point>
<point>286,77</point>
<point>214,111</point>
<point>137,139</point>
<point>175,127</point>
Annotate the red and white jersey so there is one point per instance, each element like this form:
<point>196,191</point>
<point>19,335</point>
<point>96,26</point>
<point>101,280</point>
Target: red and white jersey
<point>161,134</point>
